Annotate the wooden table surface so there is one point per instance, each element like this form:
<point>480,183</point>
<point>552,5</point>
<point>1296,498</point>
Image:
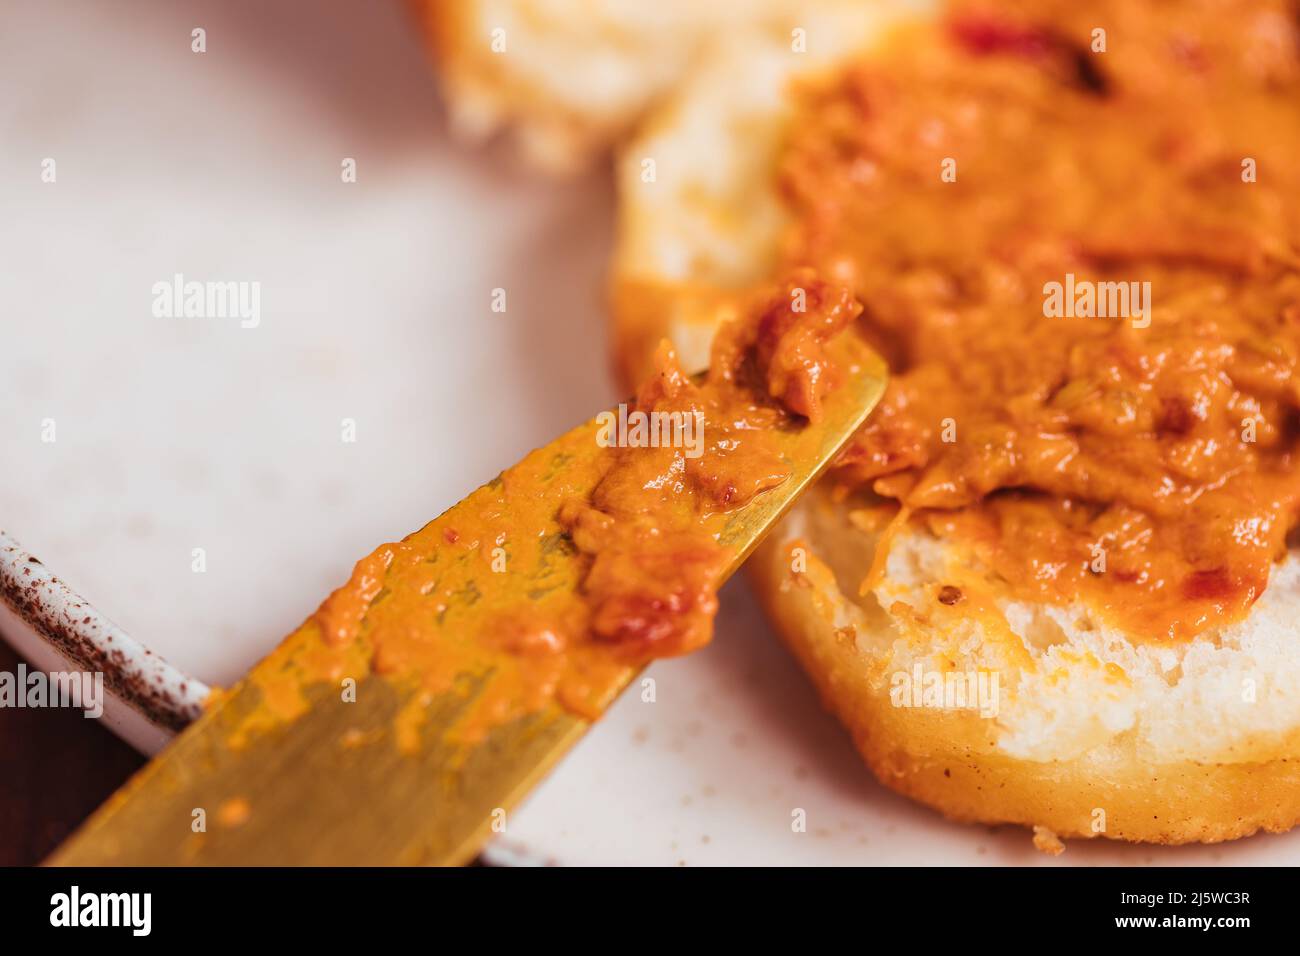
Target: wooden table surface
<point>56,766</point>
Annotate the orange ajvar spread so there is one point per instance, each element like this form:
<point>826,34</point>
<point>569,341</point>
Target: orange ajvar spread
<point>1146,467</point>
<point>590,557</point>
<point>656,565</point>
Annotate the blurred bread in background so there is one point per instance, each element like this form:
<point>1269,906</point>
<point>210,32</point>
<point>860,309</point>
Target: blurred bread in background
<point>566,79</point>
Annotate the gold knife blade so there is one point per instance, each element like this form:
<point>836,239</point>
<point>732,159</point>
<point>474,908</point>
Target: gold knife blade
<point>294,766</point>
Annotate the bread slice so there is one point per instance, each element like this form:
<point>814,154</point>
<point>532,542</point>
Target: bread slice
<point>568,78</point>
<point>1091,733</point>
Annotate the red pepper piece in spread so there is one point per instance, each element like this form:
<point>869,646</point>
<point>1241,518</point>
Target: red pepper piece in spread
<point>788,342</point>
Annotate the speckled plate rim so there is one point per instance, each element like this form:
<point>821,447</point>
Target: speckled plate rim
<point>54,628</point>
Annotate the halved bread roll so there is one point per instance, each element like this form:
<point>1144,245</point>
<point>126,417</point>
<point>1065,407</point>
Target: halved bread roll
<point>1091,729</point>
<point>568,78</point>
<point>1092,734</point>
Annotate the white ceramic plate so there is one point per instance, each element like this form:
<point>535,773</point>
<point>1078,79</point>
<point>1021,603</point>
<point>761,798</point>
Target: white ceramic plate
<point>176,434</point>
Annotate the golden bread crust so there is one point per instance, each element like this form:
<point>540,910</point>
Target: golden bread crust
<point>949,759</point>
